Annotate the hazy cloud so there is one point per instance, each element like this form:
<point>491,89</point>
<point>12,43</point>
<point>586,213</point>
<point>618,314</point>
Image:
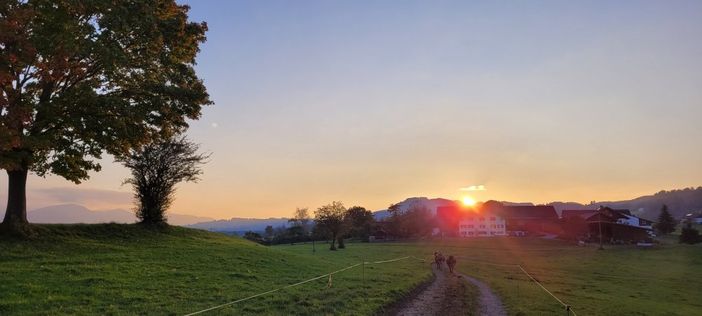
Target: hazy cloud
<point>474,188</point>
<point>96,199</point>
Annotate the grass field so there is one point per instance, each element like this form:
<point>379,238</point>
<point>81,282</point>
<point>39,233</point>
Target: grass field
<point>621,280</point>
<point>123,269</point>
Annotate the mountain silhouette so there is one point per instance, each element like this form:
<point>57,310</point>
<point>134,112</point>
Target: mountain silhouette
<point>74,213</point>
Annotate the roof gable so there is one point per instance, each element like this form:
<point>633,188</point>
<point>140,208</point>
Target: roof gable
<point>546,212</point>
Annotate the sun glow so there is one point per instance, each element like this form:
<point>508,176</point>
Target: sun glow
<point>468,201</point>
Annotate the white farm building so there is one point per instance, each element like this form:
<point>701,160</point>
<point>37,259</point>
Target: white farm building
<point>482,225</point>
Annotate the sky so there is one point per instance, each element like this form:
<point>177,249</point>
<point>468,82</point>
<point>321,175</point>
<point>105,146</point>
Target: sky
<point>371,102</point>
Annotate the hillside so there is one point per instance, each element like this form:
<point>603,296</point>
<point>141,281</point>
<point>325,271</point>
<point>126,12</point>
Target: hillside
<point>679,202</point>
<point>431,204</point>
<point>78,214</point>
<point>125,269</point>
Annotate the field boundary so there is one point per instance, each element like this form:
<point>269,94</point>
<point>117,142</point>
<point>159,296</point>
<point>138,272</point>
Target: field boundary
<point>567,307</point>
<point>329,275</point>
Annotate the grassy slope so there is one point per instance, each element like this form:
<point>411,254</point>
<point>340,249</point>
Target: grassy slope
<point>620,280</point>
<point>123,269</point>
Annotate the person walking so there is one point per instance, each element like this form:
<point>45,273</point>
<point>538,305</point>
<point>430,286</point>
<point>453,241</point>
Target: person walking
<point>451,262</point>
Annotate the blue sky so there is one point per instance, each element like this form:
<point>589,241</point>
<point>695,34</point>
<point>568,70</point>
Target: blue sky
<point>370,102</point>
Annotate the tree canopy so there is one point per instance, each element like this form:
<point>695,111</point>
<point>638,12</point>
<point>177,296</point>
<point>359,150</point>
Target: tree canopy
<point>81,78</point>
<point>330,219</point>
<point>156,169</point>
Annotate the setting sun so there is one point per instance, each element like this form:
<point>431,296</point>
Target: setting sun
<point>468,201</point>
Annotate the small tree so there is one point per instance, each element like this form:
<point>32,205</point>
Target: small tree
<point>156,168</point>
<point>253,236</point>
<point>666,223</point>
<point>689,235</point>
<point>301,219</point>
<point>269,232</point>
<point>330,219</point>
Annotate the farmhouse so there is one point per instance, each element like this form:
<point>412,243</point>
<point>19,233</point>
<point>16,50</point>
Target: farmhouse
<point>618,226</point>
<point>462,221</point>
<point>612,216</point>
<point>534,219</point>
<point>481,224</point>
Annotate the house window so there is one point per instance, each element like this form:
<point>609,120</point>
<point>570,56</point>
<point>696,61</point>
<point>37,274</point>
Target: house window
<point>492,219</point>
<point>482,226</point>
<point>482,219</point>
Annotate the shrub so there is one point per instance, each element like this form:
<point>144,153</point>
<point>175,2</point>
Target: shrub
<point>690,235</point>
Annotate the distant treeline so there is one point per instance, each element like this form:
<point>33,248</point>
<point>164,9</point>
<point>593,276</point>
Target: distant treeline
<point>335,223</point>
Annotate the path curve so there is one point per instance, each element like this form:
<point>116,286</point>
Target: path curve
<point>446,296</point>
<point>490,304</point>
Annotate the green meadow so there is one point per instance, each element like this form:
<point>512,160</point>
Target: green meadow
<point>620,280</point>
<point>124,269</point>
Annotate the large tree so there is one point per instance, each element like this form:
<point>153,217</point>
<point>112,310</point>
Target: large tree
<point>330,219</point>
<point>81,78</point>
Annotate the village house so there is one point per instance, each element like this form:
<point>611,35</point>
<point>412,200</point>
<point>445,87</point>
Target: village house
<point>495,219</point>
<point>481,225</point>
<point>529,219</point>
<point>617,224</point>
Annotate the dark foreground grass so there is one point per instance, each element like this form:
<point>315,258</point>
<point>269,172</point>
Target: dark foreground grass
<point>127,270</point>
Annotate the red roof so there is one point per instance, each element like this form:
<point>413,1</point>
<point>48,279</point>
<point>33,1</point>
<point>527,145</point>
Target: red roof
<point>580,213</point>
<point>546,212</point>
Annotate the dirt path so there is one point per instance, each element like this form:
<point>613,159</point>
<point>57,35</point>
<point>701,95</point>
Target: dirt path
<point>446,296</point>
<point>490,304</point>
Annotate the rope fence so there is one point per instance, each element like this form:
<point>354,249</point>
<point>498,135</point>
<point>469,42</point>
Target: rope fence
<point>567,307</point>
<point>329,275</point>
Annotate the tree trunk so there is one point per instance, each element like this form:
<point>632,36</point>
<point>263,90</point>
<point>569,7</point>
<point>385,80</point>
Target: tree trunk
<point>16,212</point>
<point>333,241</point>
<point>341,243</point>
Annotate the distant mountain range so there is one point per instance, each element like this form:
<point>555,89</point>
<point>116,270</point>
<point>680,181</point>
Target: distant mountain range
<point>240,225</point>
<point>74,213</point>
<point>680,202</point>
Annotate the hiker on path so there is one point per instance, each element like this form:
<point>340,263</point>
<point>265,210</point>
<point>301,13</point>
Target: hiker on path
<point>451,262</point>
<point>438,260</point>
